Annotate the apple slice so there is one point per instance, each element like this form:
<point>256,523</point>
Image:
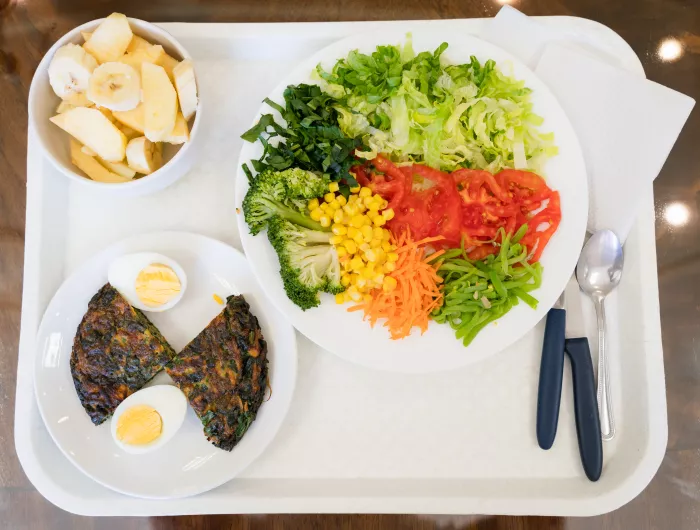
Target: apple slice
<point>134,119</point>
<point>135,59</point>
<point>159,102</point>
<point>169,64</point>
<point>111,39</point>
<point>180,133</point>
<point>119,168</point>
<point>128,131</point>
<point>86,35</point>
<point>138,43</point>
<point>90,166</point>
<point>92,128</point>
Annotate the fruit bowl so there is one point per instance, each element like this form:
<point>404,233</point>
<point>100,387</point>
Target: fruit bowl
<point>56,143</point>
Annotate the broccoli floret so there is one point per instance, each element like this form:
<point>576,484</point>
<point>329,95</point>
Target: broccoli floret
<point>284,194</point>
<point>308,262</point>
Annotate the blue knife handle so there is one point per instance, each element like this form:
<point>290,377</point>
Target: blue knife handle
<point>586,407</point>
<point>551,374</point>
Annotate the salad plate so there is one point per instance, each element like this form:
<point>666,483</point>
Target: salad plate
<point>189,465</point>
<point>345,333</point>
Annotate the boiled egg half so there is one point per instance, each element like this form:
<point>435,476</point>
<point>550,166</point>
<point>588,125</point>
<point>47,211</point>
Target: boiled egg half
<point>149,418</point>
<point>149,281</point>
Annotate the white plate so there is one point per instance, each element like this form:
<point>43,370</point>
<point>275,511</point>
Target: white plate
<point>188,464</point>
<point>345,334</point>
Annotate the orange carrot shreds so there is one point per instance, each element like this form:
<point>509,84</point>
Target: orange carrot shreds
<point>410,293</point>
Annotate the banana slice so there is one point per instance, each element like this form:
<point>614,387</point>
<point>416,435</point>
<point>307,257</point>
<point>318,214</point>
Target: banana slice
<point>135,59</point>
<point>186,85</point>
<point>159,103</point>
<point>115,86</point>
<point>86,35</point>
<point>111,38</point>
<point>90,166</point>
<point>70,71</point>
<point>181,132</point>
<point>89,152</point>
<point>92,128</point>
<point>144,156</point>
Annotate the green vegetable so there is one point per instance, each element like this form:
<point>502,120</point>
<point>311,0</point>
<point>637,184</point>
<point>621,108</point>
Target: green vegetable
<point>284,194</point>
<point>311,138</point>
<point>479,292</point>
<point>416,108</point>
<point>308,262</point>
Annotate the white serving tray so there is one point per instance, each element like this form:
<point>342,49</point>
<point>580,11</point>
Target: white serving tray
<point>355,440</point>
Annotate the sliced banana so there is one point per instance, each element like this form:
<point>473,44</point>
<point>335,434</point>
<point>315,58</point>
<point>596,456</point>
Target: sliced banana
<point>92,128</point>
<point>86,35</point>
<point>70,70</point>
<point>89,152</point>
<point>135,59</point>
<point>90,166</point>
<point>111,38</point>
<point>159,102</point>
<point>144,156</point>
<point>181,132</point>
<point>186,85</point>
<point>115,86</point>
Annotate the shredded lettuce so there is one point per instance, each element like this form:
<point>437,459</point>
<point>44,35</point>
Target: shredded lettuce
<point>416,108</point>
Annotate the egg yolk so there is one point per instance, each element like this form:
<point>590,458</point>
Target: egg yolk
<point>139,425</point>
<point>157,284</point>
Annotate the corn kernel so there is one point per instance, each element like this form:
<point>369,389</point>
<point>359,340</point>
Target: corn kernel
<point>386,246</point>
<point>325,221</point>
<point>386,235</point>
<point>372,206</point>
<point>346,265</point>
<point>356,189</point>
<point>365,192</point>
<point>367,200</point>
<point>345,279</point>
<point>378,279</point>
<point>388,214</point>
<point>392,256</point>
<point>389,284</point>
<point>334,204</point>
<point>339,229</point>
<point>381,255</point>
<point>367,233</point>
<point>354,293</point>
<point>340,298</point>
<point>341,200</point>
<point>357,221</point>
<point>375,243</point>
<point>341,251</point>
<point>350,246</point>
<point>329,197</point>
<point>370,255</point>
<point>325,208</point>
<point>361,207</point>
<point>350,209</point>
<point>368,272</point>
<point>336,240</point>
<point>364,246</point>
<point>352,232</point>
<point>356,263</point>
<point>361,283</point>
<point>379,220</point>
<point>377,233</point>
<point>333,186</point>
<point>358,238</point>
<point>338,216</point>
<point>316,214</point>
<point>371,214</point>
<point>313,204</point>
<point>390,266</point>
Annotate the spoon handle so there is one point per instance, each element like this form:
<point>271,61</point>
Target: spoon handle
<point>607,420</point>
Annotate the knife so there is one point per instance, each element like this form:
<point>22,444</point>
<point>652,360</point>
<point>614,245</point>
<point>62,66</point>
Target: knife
<point>564,334</point>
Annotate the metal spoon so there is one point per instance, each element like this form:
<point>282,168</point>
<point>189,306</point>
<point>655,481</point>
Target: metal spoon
<point>598,272</point>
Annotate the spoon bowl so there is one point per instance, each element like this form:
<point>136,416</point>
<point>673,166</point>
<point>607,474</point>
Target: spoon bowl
<point>599,267</point>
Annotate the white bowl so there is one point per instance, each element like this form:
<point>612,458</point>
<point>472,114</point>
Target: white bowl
<point>55,142</point>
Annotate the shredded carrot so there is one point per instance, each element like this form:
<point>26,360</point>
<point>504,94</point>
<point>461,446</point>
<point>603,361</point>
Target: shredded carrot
<point>416,294</point>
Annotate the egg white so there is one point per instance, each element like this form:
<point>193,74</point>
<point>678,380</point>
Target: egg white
<point>123,271</point>
<point>170,403</point>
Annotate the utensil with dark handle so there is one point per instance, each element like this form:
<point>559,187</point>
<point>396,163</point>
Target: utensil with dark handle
<point>551,375</point>
<point>590,445</point>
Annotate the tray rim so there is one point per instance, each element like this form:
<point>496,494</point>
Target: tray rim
<point>209,503</point>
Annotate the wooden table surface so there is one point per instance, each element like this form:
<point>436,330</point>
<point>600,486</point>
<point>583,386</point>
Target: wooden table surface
<point>672,501</point>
